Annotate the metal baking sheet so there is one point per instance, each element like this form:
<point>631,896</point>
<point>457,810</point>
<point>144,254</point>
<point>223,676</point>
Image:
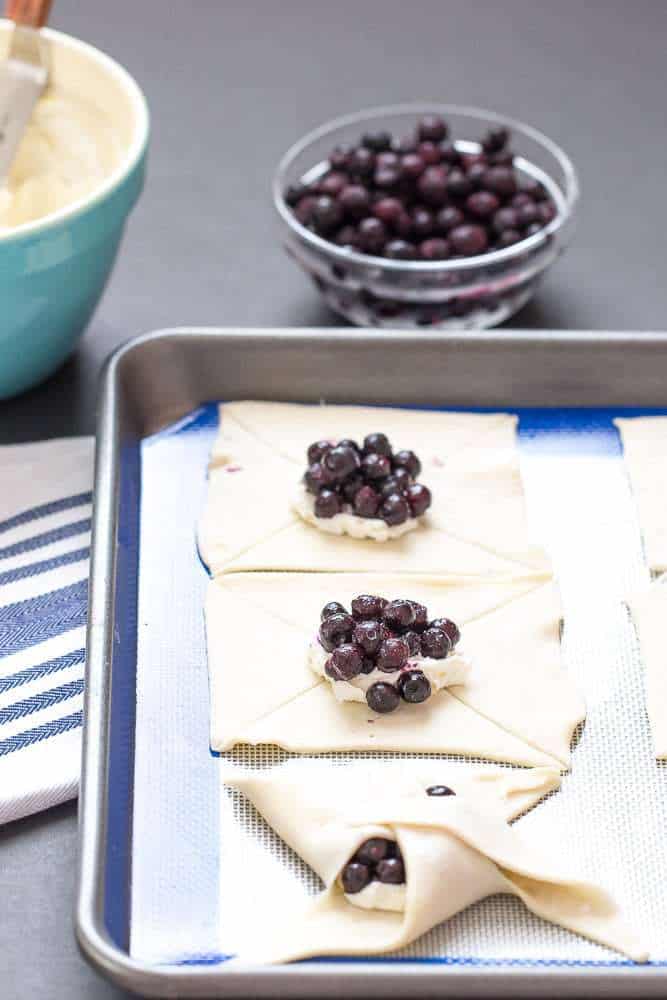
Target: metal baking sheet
<point>173,867</point>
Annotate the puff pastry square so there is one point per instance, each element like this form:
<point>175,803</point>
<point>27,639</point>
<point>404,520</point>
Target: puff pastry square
<point>648,608</point>
<point>476,525</point>
<point>519,705</point>
<point>457,849</point>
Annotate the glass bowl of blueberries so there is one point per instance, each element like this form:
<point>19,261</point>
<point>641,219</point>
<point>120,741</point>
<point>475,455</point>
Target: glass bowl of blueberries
<point>432,216</point>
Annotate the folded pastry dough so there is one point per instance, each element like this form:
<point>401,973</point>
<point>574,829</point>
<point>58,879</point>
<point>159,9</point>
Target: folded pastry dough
<point>648,608</point>
<point>476,525</point>
<point>645,452</point>
<point>457,849</point>
<point>518,705</point>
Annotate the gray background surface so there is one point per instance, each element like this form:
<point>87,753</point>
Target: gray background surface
<point>230,86</point>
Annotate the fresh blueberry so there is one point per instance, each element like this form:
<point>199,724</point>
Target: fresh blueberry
<point>495,140</point>
<point>421,616</point>
<point>333,183</point>
<point>361,162</point>
<point>367,606</point>
<point>449,627</point>
<point>397,482</point>
<point>391,871</point>
<point>377,444</point>
<point>351,486</point>
<point>355,201</point>
<point>327,504</point>
<point>458,185</point>
<point>317,451</point>
<point>432,185</point>
<point>422,222</point>
<point>400,250</point>
<point>412,165</point>
<point>505,218</point>
<point>368,636</point>
<point>372,235</point>
<point>432,127</point>
<point>436,643</point>
<point>366,502</point>
<point>346,662</point>
<point>407,460</point>
<point>382,697</point>
<point>387,210</point>
<point>439,791</point>
<point>375,466</point>
<point>399,614</point>
<point>435,248</point>
<point>429,152</point>
<point>355,877</point>
<point>341,461</point>
<point>468,240</point>
<point>508,238</point>
<point>482,204</point>
<point>339,157</point>
<point>332,608</point>
<point>335,630</point>
<point>414,686</point>
<point>316,477</point>
<point>392,655</point>
<point>373,850</point>
<point>500,180</point>
<point>377,141</point>
<point>419,498</point>
<point>448,218</point>
<point>395,510</point>
<point>326,214</point>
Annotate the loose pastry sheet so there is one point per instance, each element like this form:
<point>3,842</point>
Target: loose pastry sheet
<point>457,849</point>
<point>519,705</point>
<point>645,453</point>
<point>476,525</point>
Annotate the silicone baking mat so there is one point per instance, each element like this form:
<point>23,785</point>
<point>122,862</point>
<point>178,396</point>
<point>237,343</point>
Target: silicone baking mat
<point>204,864</point>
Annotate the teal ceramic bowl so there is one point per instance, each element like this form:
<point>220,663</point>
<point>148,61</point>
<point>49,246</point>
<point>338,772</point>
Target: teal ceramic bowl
<point>54,270</point>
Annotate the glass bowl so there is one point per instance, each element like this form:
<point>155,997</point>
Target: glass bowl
<point>462,293</point>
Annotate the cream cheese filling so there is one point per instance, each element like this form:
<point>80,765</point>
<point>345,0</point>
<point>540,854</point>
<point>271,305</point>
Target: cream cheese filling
<point>453,669</point>
<point>348,523</point>
<point>379,896</point>
<point>68,150</point>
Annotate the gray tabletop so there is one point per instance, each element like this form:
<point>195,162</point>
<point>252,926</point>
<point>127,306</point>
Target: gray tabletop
<point>230,86</point>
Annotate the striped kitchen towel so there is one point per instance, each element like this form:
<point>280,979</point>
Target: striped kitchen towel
<point>45,511</point>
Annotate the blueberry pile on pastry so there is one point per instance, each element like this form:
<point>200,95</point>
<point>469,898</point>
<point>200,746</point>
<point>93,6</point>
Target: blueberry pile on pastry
<point>363,490</point>
<point>386,652</point>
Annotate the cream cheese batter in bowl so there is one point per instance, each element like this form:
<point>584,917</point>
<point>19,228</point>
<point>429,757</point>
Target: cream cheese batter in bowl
<point>77,175</point>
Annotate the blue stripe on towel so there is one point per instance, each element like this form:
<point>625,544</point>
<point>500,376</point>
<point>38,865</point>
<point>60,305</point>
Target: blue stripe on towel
<point>27,623</point>
<point>46,538</point>
<point>43,732</point>
<point>38,702</point>
<point>30,674</point>
<point>54,507</point>
<point>44,566</point>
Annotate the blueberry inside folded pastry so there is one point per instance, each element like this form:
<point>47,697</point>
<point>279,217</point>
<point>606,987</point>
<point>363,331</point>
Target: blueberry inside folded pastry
<point>386,652</point>
<point>367,490</point>
<point>400,854</point>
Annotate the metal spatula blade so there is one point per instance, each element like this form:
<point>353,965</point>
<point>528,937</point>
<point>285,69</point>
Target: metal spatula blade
<point>23,76</point>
